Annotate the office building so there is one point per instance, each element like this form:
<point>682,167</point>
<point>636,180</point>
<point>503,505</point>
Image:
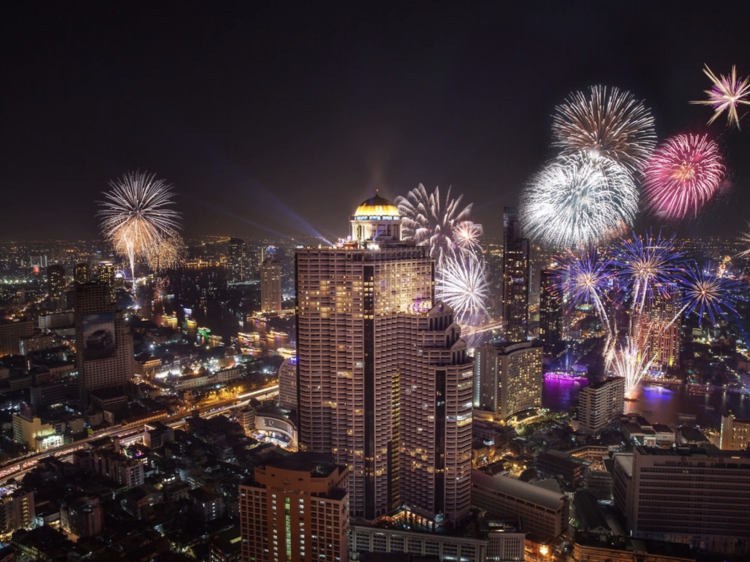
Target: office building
<point>550,309</point>
<point>270,286</point>
<point>56,284</point>
<point>81,274</point>
<point>11,332</point>
<point>687,495</point>
<point>288,384</point>
<point>296,509</point>
<point>516,282</point>
<point>735,433</point>
<point>600,405</point>
<point>507,378</point>
<point>544,513</point>
<point>104,343</point>
<point>364,313</point>
<point>237,260</point>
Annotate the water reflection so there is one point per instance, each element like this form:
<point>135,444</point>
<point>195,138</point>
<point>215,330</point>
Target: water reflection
<point>659,405</point>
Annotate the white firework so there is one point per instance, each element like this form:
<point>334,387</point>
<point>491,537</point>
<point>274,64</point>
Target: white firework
<point>467,235</point>
<point>605,122</point>
<point>135,215</point>
<point>463,286</point>
<point>578,201</point>
<point>430,221</point>
<point>726,93</point>
<point>632,362</point>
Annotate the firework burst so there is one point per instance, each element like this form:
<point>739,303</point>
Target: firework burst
<point>648,265</point>
<point>135,215</point>
<point>430,221</point>
<point>467,235</point>
<point>705,293</point>
<point>463,286</point>
<point>682,175</point>
<point>605,122</point>
<point>726,93</point>
<point>577,202</point>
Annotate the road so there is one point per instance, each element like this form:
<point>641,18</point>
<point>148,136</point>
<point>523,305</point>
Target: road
<point>18,467</point>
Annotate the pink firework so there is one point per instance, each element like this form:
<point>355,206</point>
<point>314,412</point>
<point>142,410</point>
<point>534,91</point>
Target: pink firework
<point>682,175</point>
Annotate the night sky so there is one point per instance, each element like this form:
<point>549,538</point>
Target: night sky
<point>281,117</point>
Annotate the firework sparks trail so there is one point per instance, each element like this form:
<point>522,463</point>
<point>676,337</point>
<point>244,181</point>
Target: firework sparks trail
<point>647,265</point>
<point>632,362</point>
<point>166,255</point>
<point>463,286</point>
<point>725,94</point>
<point>430,221</point>
<point>135,215</point>
<point>682,175</point>
<point>605,122</point>
<point>577,202</point>
<point>745,237</point>
<point>467,235</point>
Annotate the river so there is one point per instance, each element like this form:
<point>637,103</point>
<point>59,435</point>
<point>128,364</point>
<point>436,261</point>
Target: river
<point>658,405</point>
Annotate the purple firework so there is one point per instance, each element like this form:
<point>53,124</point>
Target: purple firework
<point>704,292</point>
<point>647,265</point>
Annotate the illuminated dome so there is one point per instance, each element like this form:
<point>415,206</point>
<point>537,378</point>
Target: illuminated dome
<point>376,206</point>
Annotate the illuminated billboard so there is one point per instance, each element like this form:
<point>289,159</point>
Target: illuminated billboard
<point>98,336</point>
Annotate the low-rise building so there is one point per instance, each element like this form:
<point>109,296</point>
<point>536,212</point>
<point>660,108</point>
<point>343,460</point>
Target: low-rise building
<point>543,512</point>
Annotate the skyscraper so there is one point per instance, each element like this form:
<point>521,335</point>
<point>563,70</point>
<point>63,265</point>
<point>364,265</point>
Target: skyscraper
<point>600,405</point>
<point>507,378</point>
<point>364,313</point>
<point>658,332</point>
<point>436,416</point>
<point>237,260</point>
<point>270,286</point>
<point>735,433</point>
<point>56,284</point>
<point>307,520</point>
<point>515,279</point>
<point>104,344</point>
<point>550,310</point>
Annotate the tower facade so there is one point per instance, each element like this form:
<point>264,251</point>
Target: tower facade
<point>436,416</point>
<point>104,344</point>
<point>508,378</point>
<point>516,280</point>
<point>658,332</point>
<point>56,284</point>
<point>364,316</point>
<point>236,260</point>
<point>550,309</point>
<point>270,286</point>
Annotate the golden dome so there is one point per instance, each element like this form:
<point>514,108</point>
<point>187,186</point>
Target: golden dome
<point>376,206</point>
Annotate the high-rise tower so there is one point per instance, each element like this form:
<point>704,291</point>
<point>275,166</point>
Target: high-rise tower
<point>237,260</point>
<point>270,286</point>
<point>364,315</point>
<point>508,378</point>
<point>550,309</point>
<point>104,344</point>
<point>515,279</point>
<point>56,284</point>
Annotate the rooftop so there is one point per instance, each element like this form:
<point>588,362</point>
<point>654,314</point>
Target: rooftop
<point>519,489</point>
<point>376,206</point>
